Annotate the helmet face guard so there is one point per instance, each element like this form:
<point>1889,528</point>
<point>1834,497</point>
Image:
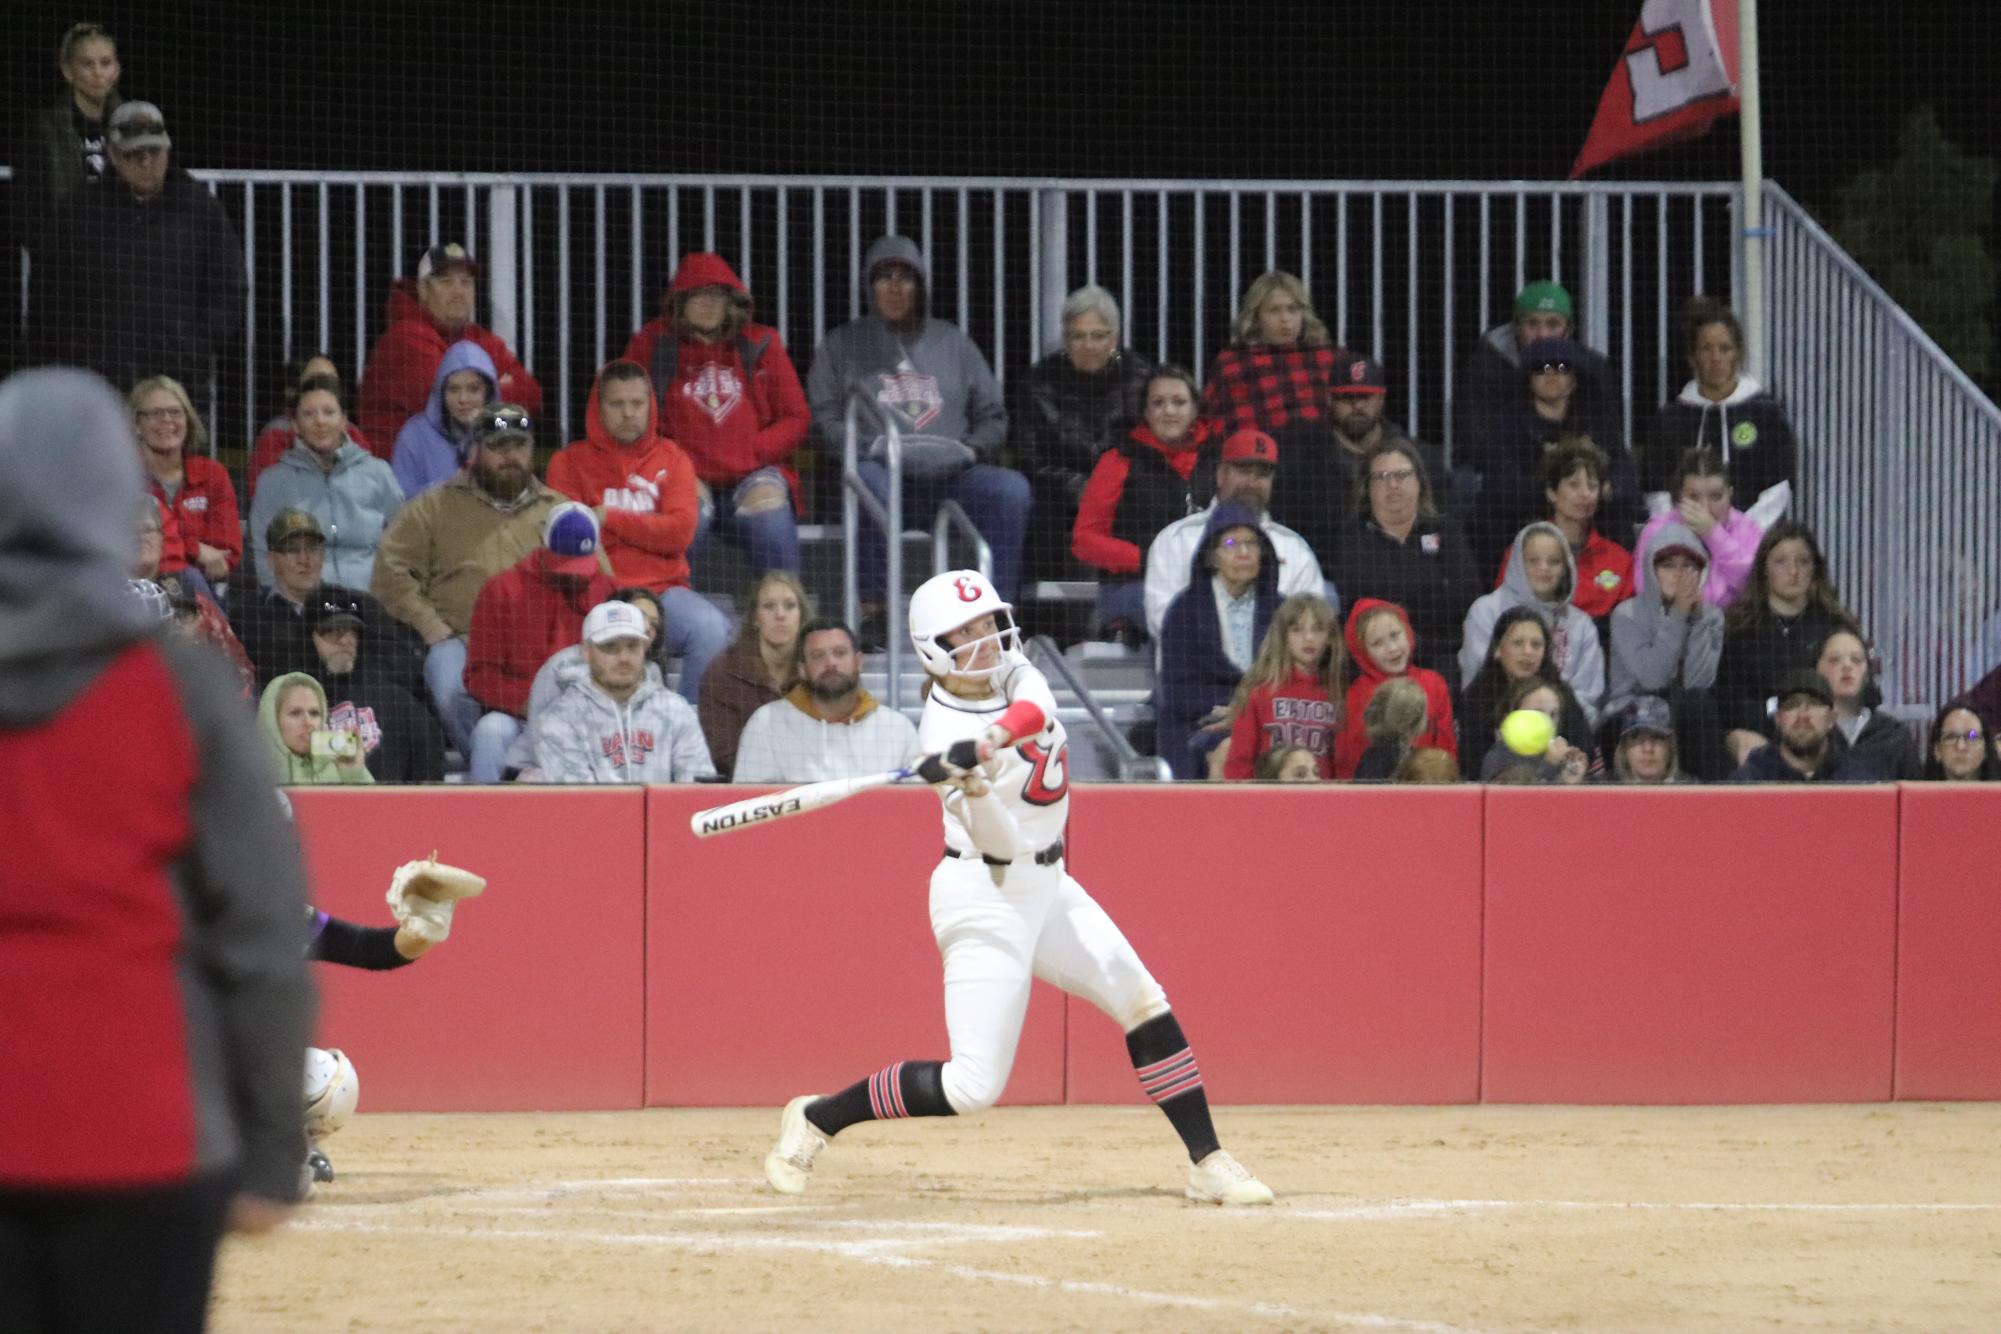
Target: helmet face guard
<point>948,602</point>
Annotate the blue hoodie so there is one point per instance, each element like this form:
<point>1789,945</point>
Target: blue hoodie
<point>1196,675</point>
<point>430,447</point>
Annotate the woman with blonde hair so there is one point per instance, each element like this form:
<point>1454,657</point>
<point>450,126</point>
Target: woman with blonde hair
<point>292,716</point>
<point>1280,362</point>
<point>193,487</point>
<point>1291,696</point>
<point>760,666</point>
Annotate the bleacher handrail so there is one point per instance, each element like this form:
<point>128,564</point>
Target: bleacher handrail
<point>855,495</point>
<point>1133,766</point>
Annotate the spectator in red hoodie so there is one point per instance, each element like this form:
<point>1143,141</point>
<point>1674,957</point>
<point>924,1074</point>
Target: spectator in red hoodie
<point>1381,645</point>
<point>523,616</point>
<point>1136,488</point>
<point>193,486</point>
<point>425,317</point>
<point>1291,696</point>
<point>643,489</point>
<point>732,401</point>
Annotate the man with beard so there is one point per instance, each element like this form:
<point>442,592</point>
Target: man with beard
<point>399,736</point>
<point>274,623</point>
<point>1806,751</point>
<point>827,726</point>
<point>443,546</point>
<point>1321,473</point>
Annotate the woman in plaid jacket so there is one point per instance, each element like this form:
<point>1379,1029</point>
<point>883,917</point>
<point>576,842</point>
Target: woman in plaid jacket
<point>1275,373</point>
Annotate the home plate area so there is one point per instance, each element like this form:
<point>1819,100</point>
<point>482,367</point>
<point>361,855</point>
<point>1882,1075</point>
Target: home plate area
<point>1413,1219</point>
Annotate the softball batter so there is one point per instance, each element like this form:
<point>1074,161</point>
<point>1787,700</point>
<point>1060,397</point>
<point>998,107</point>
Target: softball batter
<point>1004,909</point>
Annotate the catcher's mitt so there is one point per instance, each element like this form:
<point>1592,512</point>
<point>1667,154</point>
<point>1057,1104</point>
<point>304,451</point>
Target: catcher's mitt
<point>421,895</point>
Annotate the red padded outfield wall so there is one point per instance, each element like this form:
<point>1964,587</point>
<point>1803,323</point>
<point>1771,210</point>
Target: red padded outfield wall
<point>1321,945</point>
<point>1695,946</point>
<point>536,1001</point>
<point>1314,950</point>
<point>1949,944</point>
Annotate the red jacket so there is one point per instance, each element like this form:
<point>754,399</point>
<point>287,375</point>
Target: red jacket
<point>279,436</point>
<point>1604,575</point>
<point>1296,712</point>
<point>522,616</point>
<point>396,383</point>
<point>205,509</point>
<point>727,427</point>
<point>1094,537</point>
<point>91,938</point>
<point>1354,738</point>
<point>648,491</point>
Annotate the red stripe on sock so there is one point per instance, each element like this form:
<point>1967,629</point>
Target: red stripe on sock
<point>1193,1081</point>
<point>893,1077</point>
<point>1147,1071</point>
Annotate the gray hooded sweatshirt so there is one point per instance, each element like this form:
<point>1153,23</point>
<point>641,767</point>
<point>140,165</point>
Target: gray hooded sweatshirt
<point>1655,649</point>
<point>68,540</point>
<point>948,405</point>
<point>1574,646</point>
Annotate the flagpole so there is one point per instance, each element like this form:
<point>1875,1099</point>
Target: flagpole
<point>1752,156</point>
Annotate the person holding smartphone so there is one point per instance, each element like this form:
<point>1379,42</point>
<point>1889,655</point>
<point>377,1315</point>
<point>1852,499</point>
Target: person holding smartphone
<point>292,715</point>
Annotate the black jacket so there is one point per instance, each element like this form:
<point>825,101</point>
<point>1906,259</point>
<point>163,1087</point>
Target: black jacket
<point>275,635</point>
<point>133,289</point>
<point>1062,419</point>
<point>1839,765</point>
<point>413,745</point>
<point>48,169</point>
<point>1314,492</point>
<point>1752,433</point>
<point>1512,495</point>
<point>1430,575</point>
<point>1754,661</point>
<point>1886,747</point>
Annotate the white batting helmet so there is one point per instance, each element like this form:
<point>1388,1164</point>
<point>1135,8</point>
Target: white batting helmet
<point>332,1090</point>
<point>942,604</point>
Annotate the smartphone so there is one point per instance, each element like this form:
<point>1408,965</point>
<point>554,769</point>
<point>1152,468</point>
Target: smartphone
<point>327,745</point>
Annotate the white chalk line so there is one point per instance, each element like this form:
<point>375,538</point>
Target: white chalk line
<point>1384,1210</point>
<point>891,1252</point>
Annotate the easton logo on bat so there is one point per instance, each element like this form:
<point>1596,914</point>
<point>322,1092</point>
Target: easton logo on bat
<point>722,820</point>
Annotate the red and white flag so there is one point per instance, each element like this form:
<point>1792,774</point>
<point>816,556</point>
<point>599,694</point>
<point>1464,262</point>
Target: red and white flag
<point>1677,77</point>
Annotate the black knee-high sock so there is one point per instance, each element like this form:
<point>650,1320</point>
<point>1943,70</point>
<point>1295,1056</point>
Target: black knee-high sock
<point>908,1088</point>
<point>1165,1064</point>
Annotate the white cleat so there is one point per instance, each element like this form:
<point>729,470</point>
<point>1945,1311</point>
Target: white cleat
<point>1221,1179</point>
<point>789,1166</point>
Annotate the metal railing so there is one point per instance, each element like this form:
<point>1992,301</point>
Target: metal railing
<point>1898,447</point>
<point>1133,766</point>
<point>1900,463</point>
<point>857,498</point>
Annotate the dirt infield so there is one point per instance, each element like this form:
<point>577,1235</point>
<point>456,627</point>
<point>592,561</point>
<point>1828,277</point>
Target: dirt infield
<point>1429,1219</point>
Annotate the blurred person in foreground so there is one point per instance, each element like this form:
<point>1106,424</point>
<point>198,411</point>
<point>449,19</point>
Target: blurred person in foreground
<point>154,1004</point>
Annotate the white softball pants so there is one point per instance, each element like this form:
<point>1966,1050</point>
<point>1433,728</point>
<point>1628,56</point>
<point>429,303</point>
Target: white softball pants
<point>1036,922</point>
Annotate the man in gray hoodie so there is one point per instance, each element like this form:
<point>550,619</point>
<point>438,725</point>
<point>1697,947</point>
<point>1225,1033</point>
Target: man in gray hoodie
<point>947,406</point>
<point>154,1004</point>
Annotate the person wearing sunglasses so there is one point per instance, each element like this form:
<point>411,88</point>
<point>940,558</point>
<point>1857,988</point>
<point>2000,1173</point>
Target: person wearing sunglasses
<point>1559,398</point>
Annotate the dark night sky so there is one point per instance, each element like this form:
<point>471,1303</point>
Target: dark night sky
<point>1174,88</point>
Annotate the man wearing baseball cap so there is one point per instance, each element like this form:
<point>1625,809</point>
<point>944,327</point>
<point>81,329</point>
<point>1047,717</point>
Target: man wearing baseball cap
<point>400,738</point>
<point>274,620</point>
<point>620,724</point>
<point>143,275</point>
<point>428,314</point>
<point>1492,376</point>
<point>1806,751</point>
<point>523,615</point>
<point>444,545</point>
<point>1645,751</point>
<point>1245,472</point>
<point>1357,401</point>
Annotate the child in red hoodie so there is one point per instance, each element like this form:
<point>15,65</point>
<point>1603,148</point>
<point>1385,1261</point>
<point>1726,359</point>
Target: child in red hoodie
<point>1291,696</point>
<point>1382,645</point>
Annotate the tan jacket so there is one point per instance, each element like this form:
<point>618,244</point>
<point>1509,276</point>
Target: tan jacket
<point>445,544</point>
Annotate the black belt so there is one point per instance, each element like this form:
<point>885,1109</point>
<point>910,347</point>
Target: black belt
<point>1049,856</point>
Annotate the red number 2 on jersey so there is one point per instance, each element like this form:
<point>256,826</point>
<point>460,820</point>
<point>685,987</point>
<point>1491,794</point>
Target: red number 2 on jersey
<point>1048,775</point>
